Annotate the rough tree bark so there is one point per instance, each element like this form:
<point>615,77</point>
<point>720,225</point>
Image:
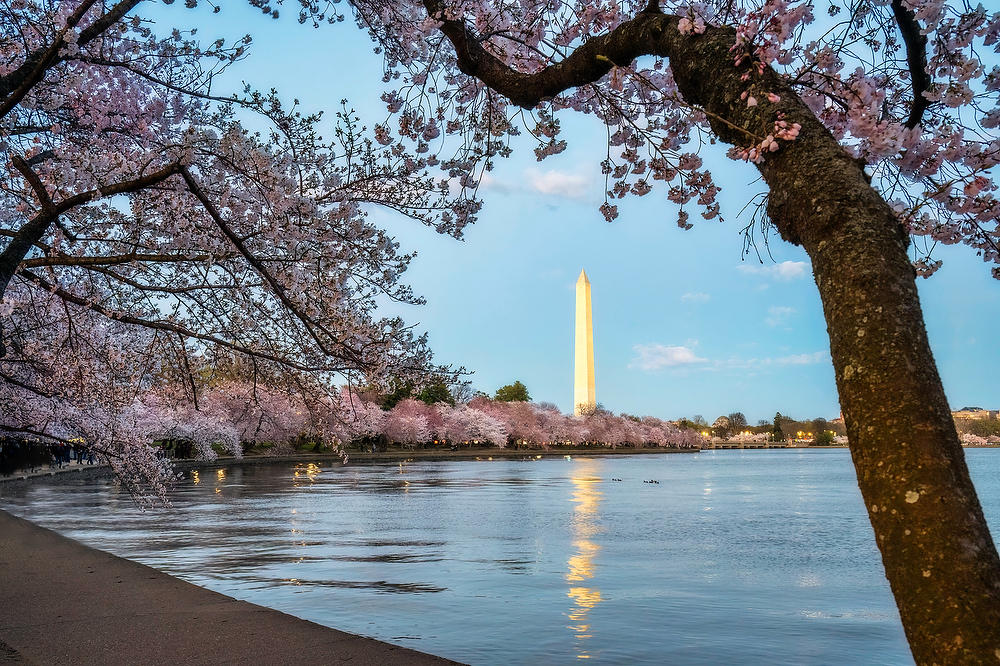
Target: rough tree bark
<point>937,551</point>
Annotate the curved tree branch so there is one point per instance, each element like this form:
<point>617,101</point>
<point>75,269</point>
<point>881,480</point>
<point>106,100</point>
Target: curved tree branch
<point>36,183</point>
<point>33,230</point>
<point>587,64</point>
<point>169,327</point>
<point>56,438</point>
<point>15,85</point>
<point>916,59</point>
<point>113,260</point>
<point>279,289</point>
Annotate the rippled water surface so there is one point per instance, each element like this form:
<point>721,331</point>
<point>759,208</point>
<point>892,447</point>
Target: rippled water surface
<point>733,557</point>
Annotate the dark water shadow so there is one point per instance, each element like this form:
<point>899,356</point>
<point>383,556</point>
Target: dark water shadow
<point>382,586</point>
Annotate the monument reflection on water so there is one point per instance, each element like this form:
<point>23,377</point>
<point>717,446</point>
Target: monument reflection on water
<point>581,566</point>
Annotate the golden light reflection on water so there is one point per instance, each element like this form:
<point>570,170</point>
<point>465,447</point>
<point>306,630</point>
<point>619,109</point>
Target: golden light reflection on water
<point>581,566</point>
<point>309,471</point>
<point>220,476</point>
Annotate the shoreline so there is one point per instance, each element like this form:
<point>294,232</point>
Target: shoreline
<point>53,584</point>
<point>68,603</point>
<point>184,464</point>
<point>483,454</point>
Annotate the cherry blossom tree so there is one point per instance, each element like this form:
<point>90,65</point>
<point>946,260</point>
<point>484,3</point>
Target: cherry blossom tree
<point>407,423</point>
<point>177,420</point>
<point>144,223</point>
<point>974,440</point>
<point>275,411</point>
<point>468,425</point>
<point>522,421</point>
<point>871,124</point>
<point>552,423</point>
<point>664,434</point>
<point>360,417</point>
<point>96,401</point>
<point>484,428</point>
<point>631,431</point>
<point>564,428</point>
<point>746,437</point>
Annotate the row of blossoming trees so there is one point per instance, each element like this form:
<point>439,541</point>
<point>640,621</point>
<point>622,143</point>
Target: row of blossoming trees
<point>969,439</point>
<point>234,414</point>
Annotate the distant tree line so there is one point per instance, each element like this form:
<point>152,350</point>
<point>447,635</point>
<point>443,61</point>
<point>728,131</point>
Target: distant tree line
<point>782,427</point>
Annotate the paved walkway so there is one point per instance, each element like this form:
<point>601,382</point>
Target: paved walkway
<point>64,603</point>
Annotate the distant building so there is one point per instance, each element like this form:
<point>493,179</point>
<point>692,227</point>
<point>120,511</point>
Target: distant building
<point>975,413</point>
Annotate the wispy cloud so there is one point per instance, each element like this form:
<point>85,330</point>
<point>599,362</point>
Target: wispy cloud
<point>778,315</point>
<point>491,182</point>
<point>803,359</point>
<point>552,183</point>
<point>695,297</point>
<point>757,363</point>
<point>655,357</point>
<point>559,183</point>
<point>785,271</point>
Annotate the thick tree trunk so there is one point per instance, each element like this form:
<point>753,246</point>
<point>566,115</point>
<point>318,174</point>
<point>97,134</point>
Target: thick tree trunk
<point>936,548</point>
<point>938,554</point>
<point>12,256</point>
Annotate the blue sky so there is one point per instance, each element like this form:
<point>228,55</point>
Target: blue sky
<point>682,324</point>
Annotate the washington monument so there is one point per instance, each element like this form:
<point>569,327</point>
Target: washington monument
<point>583,384</point>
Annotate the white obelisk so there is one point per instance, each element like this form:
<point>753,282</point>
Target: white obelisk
<point>583,384</point>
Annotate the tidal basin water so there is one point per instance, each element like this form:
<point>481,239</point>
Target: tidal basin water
<point>762,557</point>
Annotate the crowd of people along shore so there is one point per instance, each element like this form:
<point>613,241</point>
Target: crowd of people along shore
<point>22,455</point>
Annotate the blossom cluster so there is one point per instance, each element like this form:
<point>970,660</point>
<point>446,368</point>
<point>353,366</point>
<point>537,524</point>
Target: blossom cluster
<point>926,132</point>
<point>968,439</point>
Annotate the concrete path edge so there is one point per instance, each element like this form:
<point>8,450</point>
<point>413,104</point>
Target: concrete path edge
<point>62,602</point>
